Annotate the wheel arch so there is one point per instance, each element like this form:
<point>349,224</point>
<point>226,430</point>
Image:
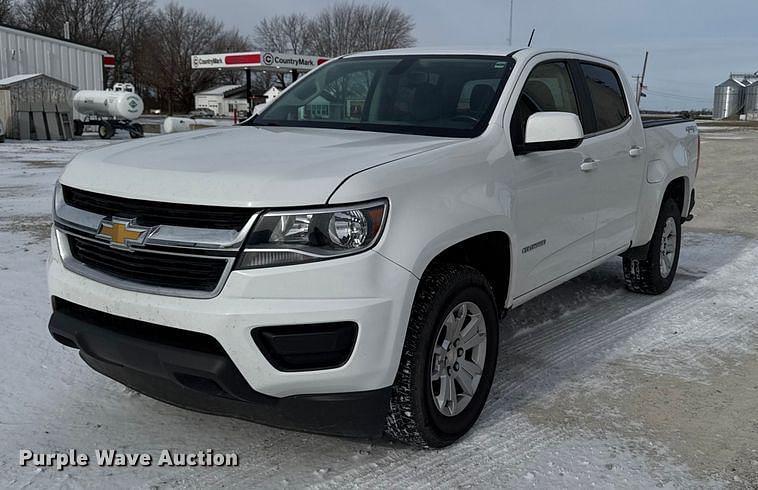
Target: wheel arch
<point>490,253</point>
<point>677,187</point>
<point>678,190</point>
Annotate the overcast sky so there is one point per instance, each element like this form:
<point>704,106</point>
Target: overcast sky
<point>693,44</point>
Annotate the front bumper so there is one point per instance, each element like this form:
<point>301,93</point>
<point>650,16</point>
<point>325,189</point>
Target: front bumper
<point>192,371</point>
<point>366,289</point>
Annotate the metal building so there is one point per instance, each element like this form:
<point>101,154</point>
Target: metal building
<point>222,100</point>
<point>728,99</point>
<point>751,101</point>
<point>24,52</point>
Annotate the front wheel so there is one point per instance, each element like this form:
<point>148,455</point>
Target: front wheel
<point>655,273</point>
<point>448,359</point>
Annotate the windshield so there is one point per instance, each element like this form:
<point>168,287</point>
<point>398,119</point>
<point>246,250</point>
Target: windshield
<point>431,95</point>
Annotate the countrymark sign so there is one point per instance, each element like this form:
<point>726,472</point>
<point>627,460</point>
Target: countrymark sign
<point>257,59</point>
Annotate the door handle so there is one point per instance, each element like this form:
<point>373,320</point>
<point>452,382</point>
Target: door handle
<point>635,151</point>
<point>588,165</point>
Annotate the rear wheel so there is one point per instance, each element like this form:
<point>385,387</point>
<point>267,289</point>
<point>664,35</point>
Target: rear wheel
<point>105,130</point>
<point>448,359</point>
<point>136,131</point>
<point>655,273</point>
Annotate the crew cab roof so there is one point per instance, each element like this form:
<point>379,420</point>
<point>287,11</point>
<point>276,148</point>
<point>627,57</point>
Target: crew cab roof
<point>516,53</point>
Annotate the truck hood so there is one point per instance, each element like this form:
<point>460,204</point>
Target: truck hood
<point>243,166</point>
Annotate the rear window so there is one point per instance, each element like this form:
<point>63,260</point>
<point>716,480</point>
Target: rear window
<point>607,96</point>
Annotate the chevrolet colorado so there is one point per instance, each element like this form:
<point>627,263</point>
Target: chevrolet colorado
<point>339,263</point>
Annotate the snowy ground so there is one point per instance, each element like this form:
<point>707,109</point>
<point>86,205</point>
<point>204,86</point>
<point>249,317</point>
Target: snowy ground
<point>596,386</point>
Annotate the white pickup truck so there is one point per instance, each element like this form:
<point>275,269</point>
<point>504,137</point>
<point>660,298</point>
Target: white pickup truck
<point>339,263</point>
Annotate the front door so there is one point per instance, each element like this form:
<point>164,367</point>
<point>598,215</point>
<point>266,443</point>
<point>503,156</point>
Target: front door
<point>555,208</point>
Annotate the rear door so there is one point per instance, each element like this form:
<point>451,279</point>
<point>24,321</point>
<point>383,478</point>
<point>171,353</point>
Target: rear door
<point>614,139</point>
<point>555,209</point>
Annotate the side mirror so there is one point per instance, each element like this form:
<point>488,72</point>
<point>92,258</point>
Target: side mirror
<point>552,131</point>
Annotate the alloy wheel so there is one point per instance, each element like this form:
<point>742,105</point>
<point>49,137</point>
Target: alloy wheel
<point>458,357</point>
<point>668,247</point>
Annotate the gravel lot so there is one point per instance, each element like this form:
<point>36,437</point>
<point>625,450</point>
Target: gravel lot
<point>596,386</point>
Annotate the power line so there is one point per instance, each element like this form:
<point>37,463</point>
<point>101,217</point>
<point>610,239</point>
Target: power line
<point>678,82</point>
<point>676,96</point>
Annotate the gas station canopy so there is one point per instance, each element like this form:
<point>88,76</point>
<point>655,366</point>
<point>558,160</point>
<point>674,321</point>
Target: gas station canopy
<point>257,60</point>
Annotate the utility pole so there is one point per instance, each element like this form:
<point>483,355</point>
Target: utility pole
<point>248,90</point>
<point>641,80</point>
<point>510,26</point>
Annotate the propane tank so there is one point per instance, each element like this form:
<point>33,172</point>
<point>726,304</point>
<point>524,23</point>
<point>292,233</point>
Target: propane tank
<point>121,102</point>
<point>179,124</point>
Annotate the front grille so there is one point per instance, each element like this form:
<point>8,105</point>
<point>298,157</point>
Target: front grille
<point>148,268</point>
<point>153,213</point>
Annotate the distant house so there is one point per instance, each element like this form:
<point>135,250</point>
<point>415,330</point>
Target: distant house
<point>318,108</point>
<point>222,100</point>
<point>260,101</point>
<point>272,93</point>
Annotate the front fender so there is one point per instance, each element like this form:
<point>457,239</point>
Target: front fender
<point>439,198</point>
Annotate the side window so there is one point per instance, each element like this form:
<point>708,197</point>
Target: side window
<point>548,88</point>
<point>607,96</point>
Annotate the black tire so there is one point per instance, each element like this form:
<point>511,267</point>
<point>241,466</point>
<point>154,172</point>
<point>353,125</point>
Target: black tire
<point>414,417</point>
<point>78,127</point>
<point>105,130</point>
<point>645,275</point>
<point>136,131</point>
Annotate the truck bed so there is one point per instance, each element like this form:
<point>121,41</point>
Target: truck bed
<point>651,122</point>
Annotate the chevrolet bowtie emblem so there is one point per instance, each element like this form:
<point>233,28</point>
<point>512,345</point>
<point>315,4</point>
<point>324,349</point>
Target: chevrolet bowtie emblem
<point>122,233</point>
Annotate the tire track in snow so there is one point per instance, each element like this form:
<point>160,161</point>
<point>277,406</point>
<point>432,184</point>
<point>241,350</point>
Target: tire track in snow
<point>633,330</point>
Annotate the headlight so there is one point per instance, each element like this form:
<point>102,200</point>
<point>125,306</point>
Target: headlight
<point>57,197</point>
<point>294,237</point>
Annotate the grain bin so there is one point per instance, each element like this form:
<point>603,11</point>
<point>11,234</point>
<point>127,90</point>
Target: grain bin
<point>728,99</point>
<point>751,101</point>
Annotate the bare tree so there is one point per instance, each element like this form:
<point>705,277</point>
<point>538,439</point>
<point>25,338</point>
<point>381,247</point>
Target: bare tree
<point>176,35</point>
<point>118,26</point>
<point>342,28</point>
<point>7,12</point>
<point>284,34</point>
<point>128,42</point>
<point>348,27</point>
<point>90,21</point>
